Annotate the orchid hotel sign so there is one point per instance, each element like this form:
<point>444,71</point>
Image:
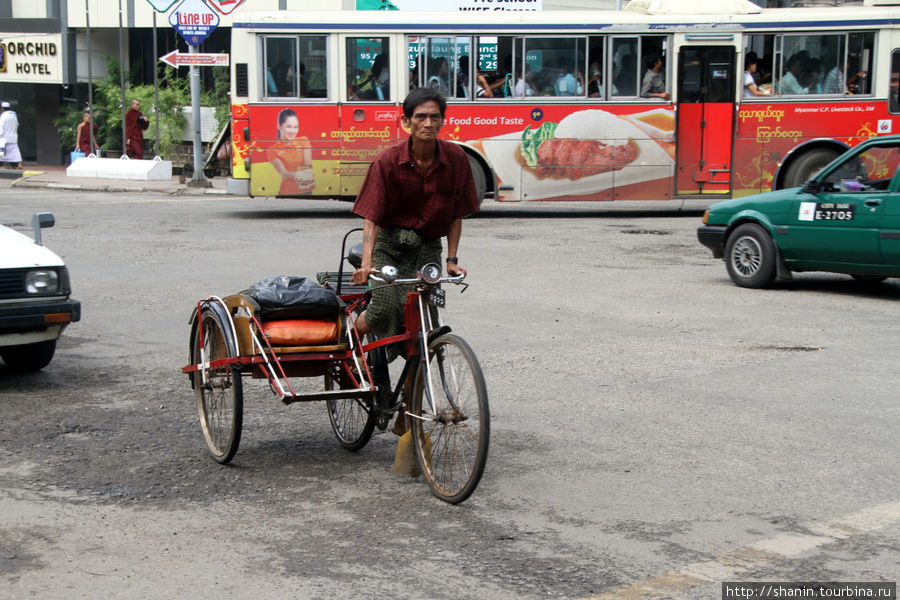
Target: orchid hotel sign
<point>31,58</point>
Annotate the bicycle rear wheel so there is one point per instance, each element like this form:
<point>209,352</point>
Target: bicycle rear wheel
<point>220,394</point>
<point>451,442</point>
<point>352,419</point>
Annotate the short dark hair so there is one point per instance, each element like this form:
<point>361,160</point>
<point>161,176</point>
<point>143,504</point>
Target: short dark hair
<point>420,96</point>
<point>650,60</point>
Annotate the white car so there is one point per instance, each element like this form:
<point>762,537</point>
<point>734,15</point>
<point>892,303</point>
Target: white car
<point>35,306</point>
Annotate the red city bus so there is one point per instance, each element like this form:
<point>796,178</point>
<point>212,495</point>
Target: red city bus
<point>565,105</point>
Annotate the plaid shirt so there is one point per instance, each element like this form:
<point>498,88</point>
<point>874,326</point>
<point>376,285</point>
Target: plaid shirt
<point>395,194</point>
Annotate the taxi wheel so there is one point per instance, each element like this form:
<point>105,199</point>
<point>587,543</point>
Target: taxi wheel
<point>750,257</point>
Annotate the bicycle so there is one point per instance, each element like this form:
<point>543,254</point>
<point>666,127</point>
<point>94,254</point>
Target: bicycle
<point>448,405</point>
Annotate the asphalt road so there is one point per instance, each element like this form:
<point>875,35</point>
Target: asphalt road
<point>655,430</point>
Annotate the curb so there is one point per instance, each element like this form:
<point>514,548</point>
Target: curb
<point>25,181</point>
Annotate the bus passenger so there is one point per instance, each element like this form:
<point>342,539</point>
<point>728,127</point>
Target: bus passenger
<point>653,85</point>
<point>291,156</point>
<point>750,87</point>
<point>856,82</point>
<point>463,85</point>
<point>790,82</point>
<point>567,84</point>
<point>814,67</point>
<point>415,193</point>
<point>439,75</point>
<point>377,85</point>
<point>595,73</point>
<point>523,86</point>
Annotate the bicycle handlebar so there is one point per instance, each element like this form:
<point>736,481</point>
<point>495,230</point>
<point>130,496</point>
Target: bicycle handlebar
<point>457,279</point>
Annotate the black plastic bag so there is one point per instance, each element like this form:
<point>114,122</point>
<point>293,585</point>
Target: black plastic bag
<point>290,296</point>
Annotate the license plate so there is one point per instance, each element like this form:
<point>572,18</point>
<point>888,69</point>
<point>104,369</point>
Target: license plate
<point>438,297</point>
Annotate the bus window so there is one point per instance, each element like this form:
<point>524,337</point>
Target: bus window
<point>894,105</point>
<point>368,69</point>
<point>295,67</point>
<point>493,72</point>
<point>281,67</point>
<point>595,78</point>
<point>557,65</point>
<point>812,64</point>
<point>313,78</point>
<point>625,66</point>
<point>860,54</point>
<point>435,62</point>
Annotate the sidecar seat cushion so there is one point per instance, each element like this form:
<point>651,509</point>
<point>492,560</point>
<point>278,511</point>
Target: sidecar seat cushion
<point>302,332</point>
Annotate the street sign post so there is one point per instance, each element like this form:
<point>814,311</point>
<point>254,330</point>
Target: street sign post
<point>225,6</point>
<point>162,5</point>
<point>178,59</point>
<point>194,20</point>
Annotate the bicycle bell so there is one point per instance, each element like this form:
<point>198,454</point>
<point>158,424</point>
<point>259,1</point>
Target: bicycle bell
<point>389,273</point>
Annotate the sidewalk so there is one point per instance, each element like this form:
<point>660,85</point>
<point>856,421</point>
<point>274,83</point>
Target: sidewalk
<point>54,176</point>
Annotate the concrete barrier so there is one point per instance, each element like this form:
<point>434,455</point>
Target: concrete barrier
<point>121,168</point>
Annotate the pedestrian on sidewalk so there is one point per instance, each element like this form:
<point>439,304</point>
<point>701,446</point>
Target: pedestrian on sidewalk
<point>9,137</point>
<point>135,125</point>
<point>83,135</point>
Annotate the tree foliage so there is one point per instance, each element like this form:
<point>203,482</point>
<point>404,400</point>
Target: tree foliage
<point>174,95</point>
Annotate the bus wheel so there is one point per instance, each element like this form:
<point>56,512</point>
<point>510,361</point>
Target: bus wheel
<point>479,177</point>
<point>807,165</point>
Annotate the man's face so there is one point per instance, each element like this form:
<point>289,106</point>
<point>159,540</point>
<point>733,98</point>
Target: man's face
<point>136,104</point>
<point>426,121</point>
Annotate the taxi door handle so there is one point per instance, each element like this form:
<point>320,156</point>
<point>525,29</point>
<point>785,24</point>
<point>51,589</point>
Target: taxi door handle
<point>873,202</point>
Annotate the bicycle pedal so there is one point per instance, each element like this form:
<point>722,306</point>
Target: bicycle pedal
<point>381,422</point>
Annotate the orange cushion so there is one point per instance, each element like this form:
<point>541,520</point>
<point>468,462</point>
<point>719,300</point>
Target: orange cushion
<point>301,332</point>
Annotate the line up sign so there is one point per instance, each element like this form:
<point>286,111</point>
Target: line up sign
<point>194,20</point>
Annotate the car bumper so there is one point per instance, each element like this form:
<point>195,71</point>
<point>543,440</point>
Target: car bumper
<point>44,319</point>
<point>713,237</point>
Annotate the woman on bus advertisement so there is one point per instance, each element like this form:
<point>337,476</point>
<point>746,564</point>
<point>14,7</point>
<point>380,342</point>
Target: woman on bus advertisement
<point>291,156</point>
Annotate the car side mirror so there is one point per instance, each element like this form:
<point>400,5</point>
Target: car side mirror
<point>812,187</point>
<point>38,222</point>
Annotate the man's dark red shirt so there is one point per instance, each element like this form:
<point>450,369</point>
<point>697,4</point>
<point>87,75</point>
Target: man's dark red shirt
<point>396,194</point>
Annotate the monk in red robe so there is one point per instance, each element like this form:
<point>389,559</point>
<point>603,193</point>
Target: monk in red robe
<point>135,125</point>
<point>84,136</point>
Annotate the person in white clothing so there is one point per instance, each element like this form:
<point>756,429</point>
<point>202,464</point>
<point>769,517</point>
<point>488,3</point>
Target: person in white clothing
<point>750,87</point>
<point>9,137</point>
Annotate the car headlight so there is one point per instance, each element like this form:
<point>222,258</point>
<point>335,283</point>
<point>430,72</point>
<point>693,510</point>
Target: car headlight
<point>42,281</point>
<point>705,217</point>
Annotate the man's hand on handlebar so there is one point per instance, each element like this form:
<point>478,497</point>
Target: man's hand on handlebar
<point>361,275</point>
<point>454,269</point>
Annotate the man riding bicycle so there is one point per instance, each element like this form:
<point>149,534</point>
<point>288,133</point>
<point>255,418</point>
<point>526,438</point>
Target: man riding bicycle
<point>415,193</point>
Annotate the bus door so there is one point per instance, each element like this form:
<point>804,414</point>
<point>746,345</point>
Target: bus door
<point>370,117</point>
<point>705,119</point>
<point>366,129</point>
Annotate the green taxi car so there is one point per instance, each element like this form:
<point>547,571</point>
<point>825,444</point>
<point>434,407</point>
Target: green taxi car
<point>845,219</point>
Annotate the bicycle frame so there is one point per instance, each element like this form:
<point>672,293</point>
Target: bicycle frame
<point>421,325</point>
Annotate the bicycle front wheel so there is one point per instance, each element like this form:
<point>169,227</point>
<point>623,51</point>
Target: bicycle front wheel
<point>451,438</point>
